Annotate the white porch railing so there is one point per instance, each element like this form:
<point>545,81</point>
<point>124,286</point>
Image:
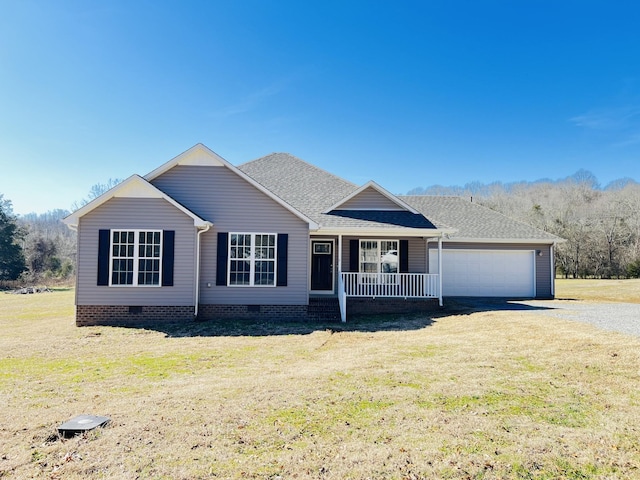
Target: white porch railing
<point>400,285</point>
<point>404,285</point>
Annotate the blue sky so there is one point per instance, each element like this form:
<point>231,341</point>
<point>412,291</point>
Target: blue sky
<point>405,93</point>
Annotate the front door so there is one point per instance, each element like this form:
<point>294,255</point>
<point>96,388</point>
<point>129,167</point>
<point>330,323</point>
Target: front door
<point>322,266</point>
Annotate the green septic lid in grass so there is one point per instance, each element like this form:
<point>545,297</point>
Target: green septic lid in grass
<point>81,424</point>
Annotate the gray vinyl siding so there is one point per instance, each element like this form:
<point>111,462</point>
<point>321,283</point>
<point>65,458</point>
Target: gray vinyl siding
<point>544,275</point>
<point>544,278</point>
<point>417,252</point>
<point>234,205</point>
<point>136,213</point>
<point>369,199</point>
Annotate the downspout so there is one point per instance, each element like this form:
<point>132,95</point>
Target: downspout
<point>197,286</point>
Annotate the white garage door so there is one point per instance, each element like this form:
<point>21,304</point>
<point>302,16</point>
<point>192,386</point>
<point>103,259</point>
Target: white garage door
<point>486,273</point>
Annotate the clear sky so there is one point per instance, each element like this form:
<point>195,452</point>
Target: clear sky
<point>405,93</point>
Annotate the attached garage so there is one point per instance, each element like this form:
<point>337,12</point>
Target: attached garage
<point>486,273</point>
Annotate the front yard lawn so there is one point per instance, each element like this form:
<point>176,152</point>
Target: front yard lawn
<point>507,394</point>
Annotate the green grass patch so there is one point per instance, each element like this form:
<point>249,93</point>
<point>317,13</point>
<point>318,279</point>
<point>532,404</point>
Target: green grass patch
<point>484,395</point>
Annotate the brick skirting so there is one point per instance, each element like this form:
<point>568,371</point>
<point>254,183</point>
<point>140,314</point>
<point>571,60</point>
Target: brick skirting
<point>317,310</point>
<point>87,315</point>
<point>253,312</point>
<point>372,306</point>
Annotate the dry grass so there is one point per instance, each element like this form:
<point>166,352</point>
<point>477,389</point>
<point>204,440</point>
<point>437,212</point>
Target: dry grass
<point>485,395</point>
<point>599,290</point>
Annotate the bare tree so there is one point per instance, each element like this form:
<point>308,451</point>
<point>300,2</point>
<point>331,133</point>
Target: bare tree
<point>95,191</point>
<point>601,226</point>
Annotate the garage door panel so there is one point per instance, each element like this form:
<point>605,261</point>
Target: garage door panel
<point>487,273</point>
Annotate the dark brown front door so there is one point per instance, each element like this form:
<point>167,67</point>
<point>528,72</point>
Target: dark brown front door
<point>321,265</point>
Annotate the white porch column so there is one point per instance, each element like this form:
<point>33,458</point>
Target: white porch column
<point>342,297</point>
<point>339,254</point>
<point>440,270</point>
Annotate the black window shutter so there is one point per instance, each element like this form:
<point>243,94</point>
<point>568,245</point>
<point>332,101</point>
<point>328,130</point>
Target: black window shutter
<point>283,241</point>
<point>104,243</point>
<point>404,256</point>
<point>221,271</point>
<point>354,253</point>
<point>168,247</point>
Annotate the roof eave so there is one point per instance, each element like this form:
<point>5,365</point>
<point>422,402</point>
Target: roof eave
<point>385,232</point>
<point>522,241</point>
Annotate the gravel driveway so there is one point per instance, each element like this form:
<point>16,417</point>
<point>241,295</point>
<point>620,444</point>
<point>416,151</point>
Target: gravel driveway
<point>617,317</point>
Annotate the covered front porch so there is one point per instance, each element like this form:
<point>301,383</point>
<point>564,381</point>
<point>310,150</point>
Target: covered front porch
<point>375,267</point>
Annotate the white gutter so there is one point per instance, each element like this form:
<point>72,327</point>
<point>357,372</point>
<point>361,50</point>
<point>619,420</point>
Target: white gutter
<point>386,232</point>
<point>197,286</point>
<point>495,241</point>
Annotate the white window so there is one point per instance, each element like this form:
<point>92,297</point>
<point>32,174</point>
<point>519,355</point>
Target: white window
<point>379,256</point>
<point>252,259</point>
<point>322,248</point>
<point>378,261</point>
<point>135,257</point>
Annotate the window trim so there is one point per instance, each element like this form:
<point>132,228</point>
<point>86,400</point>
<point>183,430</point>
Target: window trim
<point>252,260</point>
<point>379,263</point>
<point>136,258</point>
<point>378,276</point>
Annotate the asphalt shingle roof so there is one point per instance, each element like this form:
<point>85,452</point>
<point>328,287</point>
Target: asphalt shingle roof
<point>473,221</point>
<point>312,191</point>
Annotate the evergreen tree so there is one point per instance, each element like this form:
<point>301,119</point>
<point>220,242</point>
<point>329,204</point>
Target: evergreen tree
<point>12,262</point>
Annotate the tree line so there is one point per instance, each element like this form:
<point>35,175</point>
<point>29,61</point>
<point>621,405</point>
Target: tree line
<point>35,248</point>
<point>38,247</point>
<point>600,226</point>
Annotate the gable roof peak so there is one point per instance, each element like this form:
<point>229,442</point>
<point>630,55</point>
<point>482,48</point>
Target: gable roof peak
<point>133,187</point>
<point>399,203</point>
<point>199,154</point>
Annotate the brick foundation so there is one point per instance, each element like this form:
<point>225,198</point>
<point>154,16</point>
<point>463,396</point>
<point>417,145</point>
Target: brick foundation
<point>372,306</point>
<point>253,312</point>
<point>325,309</point>
<point>87,315</point>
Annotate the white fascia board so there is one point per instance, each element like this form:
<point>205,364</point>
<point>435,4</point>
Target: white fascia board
<point>202,155</point>
<point>379,189</point>
<point>503,240</point>
<point>133,187</point>
<point>384,232</point>
<point>199,154</point>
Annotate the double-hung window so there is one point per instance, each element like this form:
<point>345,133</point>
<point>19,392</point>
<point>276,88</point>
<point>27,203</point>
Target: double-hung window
<point>136,257</point>
<point>378,257</point>
<point>252,259</point>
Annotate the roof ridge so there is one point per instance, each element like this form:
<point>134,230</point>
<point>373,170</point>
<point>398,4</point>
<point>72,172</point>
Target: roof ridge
<point>462,197</point>
<point>308,164</point>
